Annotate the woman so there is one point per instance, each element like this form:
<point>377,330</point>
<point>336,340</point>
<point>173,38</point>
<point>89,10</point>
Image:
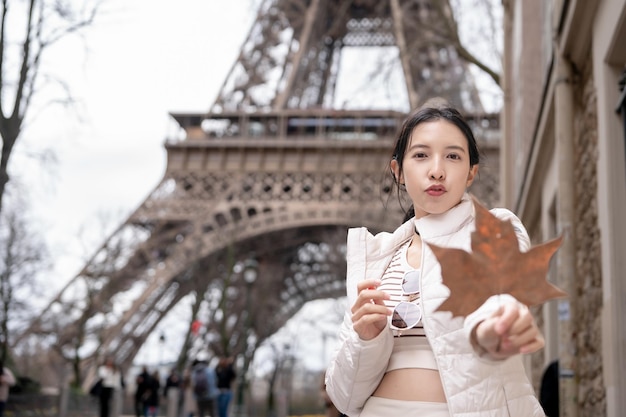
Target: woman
<point>428,363</point>
<point>225,372</point>
<point>111,382</point>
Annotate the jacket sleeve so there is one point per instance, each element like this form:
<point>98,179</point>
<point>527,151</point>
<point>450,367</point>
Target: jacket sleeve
<point>357,368</point>
<point>494,302</point>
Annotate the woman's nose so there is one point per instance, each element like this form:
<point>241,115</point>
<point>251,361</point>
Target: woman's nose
<point>436,171</point>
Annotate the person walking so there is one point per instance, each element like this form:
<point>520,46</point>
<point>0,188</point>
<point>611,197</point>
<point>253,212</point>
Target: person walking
<point>204,382</point>
<point>142,382</point>
<point>190,406</point>
<point>111,379</point>
<point>397,356</point>
<point>7,380</point>
<point>226,374</point>
<point>153,393</point>
<point>172,393</point>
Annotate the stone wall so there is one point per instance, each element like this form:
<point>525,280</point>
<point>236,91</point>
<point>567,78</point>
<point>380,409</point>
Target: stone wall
<point>588,297</point>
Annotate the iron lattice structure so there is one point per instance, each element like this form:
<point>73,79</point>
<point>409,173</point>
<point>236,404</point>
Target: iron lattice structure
<point>272,171</point>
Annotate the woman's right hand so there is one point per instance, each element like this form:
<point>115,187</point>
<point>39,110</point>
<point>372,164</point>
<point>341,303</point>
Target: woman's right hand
<point>369,312</point>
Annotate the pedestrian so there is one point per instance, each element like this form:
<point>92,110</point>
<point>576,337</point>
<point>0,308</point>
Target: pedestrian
<point>153,392</point>
<point>142,381</point>
<point>204,382</point>
<point>111,379</point>
<point>190,406</point>
<point>226,374</point>
<point>549,389</point>
<point>7,380</point>
<point>172,393</point>
<point>429,365</point>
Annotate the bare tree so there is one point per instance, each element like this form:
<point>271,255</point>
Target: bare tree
<point>27,30</point>
<point>22,256</point>
<point>483,20</point>
<point>69,331</point>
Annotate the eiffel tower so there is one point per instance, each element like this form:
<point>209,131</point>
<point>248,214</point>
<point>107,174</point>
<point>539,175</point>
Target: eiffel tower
<point>275,171</point>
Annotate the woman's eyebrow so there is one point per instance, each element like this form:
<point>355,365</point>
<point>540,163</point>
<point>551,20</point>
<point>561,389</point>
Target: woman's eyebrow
<point>456,147</point>
<point>450,147</point>
<point>419,146</point>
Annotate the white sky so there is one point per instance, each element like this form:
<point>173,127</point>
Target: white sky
<point>141,60</point>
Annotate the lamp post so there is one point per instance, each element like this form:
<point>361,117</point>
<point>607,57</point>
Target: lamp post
<point>161,348</point>
<point>249,276</point>
<point>286,376</point>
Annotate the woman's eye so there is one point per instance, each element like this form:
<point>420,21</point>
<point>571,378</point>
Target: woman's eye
<point>420,155</point>
<point>454,156</point>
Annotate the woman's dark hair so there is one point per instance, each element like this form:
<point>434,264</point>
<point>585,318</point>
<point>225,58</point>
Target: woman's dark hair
<point>432,111</point>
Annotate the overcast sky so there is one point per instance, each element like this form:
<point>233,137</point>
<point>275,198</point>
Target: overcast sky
<point>141,60</point>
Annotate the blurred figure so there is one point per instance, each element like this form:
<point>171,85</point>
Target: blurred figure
<point>111,382</point>
<point>549,391</point>
<point>151,405</point>
<point>204,382</point>
<point>172,394</point>
<point>141,382</point>
<point>190,408</point>
<point>225,376</point>
<point>7,379</point>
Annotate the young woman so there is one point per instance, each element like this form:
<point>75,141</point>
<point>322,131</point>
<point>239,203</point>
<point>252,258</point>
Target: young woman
<point>397,356</point>
<point>226,375</point>
<point>111,382</point>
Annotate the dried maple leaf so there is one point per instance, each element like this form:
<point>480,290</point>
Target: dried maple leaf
<point>495,266</point>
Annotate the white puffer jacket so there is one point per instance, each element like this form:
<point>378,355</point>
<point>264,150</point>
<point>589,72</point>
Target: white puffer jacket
<point>474,386</point>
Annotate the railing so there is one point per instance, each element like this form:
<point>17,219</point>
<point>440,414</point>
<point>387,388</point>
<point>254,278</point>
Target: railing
<point>338,125</point>
<point>293,124</point>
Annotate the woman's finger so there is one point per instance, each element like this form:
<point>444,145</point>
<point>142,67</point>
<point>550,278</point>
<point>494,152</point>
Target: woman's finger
<point>506,316</point>
<point>368,294</point>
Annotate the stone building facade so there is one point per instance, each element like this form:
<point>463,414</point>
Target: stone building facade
<point>563,170</point>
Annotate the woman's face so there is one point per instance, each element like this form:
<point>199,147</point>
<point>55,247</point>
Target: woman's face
<point>435,168</point>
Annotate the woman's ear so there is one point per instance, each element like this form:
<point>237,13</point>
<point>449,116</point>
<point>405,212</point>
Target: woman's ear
<point>471,175</point>
<point>395,170</point>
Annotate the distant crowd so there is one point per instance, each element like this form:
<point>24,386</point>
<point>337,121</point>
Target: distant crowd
<point>201,391</point>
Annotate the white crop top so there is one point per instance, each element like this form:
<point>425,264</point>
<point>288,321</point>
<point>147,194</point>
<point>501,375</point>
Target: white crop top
<point>411,348</point>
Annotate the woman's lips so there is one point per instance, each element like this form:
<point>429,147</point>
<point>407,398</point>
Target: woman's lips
<point>436,190</point>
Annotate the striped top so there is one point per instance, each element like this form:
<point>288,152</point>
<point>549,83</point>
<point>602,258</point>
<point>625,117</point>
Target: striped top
<point>411,347</point>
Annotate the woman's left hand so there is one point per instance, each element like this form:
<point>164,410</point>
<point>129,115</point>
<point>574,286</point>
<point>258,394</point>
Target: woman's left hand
<point>509,331</point>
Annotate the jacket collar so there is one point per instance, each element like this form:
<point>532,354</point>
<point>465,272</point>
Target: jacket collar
<point>435,225</point>
<point>431,226</point>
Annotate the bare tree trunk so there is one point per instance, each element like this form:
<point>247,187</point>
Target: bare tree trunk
<point>20,82</point>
